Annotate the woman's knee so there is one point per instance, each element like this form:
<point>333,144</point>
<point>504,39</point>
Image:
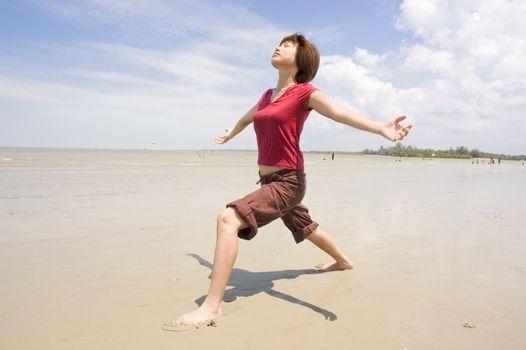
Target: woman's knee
<point>228,218</point>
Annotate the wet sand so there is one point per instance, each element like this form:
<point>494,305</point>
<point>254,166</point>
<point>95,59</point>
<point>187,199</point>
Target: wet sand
<point>98,248</point>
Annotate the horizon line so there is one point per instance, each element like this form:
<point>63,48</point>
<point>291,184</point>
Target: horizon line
<point>234,149</point>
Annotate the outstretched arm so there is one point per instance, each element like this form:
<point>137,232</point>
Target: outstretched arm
<point>240,126</point>
<point>391,130</point>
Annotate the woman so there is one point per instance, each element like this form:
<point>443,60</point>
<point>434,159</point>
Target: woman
<point>278,120</point>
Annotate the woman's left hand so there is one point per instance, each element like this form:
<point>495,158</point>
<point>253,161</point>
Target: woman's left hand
<point>393,131</point>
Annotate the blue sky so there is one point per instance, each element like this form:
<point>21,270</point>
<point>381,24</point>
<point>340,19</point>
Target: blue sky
<point>122,74</point>
<point>352,23</point>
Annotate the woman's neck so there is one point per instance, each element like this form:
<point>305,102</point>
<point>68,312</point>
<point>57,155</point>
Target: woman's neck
<point>285,80</point>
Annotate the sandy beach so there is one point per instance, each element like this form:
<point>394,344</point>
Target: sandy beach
<point>99,247</point>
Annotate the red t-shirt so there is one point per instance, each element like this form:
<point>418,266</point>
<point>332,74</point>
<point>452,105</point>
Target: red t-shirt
<point>278,127</point>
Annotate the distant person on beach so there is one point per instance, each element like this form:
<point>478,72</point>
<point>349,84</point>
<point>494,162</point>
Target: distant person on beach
<point>278,119</point>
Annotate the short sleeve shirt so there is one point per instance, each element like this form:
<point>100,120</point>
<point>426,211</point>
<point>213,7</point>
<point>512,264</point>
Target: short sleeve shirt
<point>279,124</point>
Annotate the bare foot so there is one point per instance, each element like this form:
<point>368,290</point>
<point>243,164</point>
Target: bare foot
<point>194,319</point>
<point>335,266</point>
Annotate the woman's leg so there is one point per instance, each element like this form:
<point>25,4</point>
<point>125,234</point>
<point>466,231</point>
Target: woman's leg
<point>323,241</point>
<point>228,225</point>
<point>299,222</point>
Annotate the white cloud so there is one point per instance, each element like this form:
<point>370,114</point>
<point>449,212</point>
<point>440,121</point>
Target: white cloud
<point>462,82</point>
<point>357,87</point>
<point>175,21</point>
<point>476,53</point>
<point>190,66</point>
<point>368,59</point>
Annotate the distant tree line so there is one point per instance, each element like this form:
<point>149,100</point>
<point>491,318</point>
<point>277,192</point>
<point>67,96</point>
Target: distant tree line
<point>462,152</point>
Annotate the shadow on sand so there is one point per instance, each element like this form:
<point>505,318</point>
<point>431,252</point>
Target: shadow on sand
<point>245,283</point>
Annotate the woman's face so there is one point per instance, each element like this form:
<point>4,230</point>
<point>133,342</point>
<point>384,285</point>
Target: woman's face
<point>284,55</point>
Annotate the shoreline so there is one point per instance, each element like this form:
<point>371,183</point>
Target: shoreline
<point>221,150</point>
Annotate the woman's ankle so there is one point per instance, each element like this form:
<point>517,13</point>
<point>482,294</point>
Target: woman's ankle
<point>211,306</point>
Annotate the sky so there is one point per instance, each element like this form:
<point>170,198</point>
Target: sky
<point>127,74</point>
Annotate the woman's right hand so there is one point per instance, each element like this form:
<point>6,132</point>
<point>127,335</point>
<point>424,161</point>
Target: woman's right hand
<point>223,139</point>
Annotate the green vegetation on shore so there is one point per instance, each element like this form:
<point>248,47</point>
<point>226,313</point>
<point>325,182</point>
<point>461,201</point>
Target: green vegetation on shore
<point>461,152</point>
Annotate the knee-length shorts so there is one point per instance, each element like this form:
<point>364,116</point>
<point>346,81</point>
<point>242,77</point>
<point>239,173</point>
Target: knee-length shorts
<point>280,196</point>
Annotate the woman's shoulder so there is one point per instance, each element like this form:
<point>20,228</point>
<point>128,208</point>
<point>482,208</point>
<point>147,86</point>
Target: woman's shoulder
<point>304,90</point>
<point>306,87</point>
<point>265,95</point>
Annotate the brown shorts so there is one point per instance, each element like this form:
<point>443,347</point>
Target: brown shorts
<point>280,196</point>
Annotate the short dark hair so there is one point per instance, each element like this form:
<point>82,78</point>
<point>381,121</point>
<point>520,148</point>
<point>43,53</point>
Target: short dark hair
<point>307,57</point>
